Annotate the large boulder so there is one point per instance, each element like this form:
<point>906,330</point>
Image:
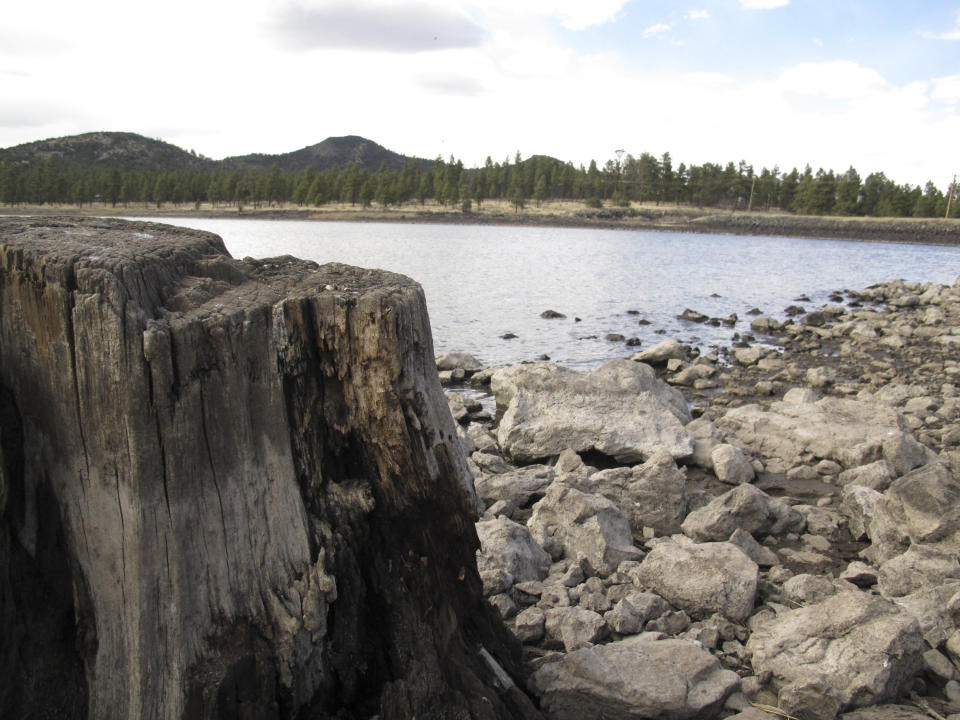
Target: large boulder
<point>744,507</point>
<point>858,648</point>
<point>702,579</point>
<point>640,677</point>
<point>650,495</point>
<point>620,409</point>
<point>927,503</point>
<point>568,522</point>
<point>236,489</point>
<point>850,432</point>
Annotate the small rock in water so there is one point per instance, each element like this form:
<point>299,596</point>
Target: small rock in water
<point>614,337</point>
<point>633,342</point>
<point>551,314</point>
<point>508,336</point>
<point>633,312</point>
<point>643,322</point>
<point>692,316</point>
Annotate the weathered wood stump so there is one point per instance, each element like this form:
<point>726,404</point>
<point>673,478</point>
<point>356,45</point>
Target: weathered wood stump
<point>229,489</point>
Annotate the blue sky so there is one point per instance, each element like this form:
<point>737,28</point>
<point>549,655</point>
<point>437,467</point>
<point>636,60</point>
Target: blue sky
<point>875,85</point>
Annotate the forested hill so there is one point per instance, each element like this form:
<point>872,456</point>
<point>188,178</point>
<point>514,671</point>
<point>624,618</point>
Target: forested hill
<point>123,168</point>
<point>108,150</point>
<point>129,151</point>
<point>332,152</point>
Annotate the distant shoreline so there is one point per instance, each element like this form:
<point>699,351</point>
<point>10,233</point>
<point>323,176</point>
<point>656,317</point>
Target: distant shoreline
<point>566,215</point>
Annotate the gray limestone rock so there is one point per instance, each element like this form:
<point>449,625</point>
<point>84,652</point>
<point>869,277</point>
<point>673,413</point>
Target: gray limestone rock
<point>620,409</point>
<point>567,522</point>
<point>862,648</point>
<point>702,579</point>
<point>650,495</point>
<point>507,546</point>
<point>745,507</point>
<point>639,677</point>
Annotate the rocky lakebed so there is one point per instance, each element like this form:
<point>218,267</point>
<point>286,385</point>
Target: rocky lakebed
<point>771,530</point>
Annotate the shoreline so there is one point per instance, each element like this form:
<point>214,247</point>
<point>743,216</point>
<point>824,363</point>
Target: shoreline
<point>646,218</point>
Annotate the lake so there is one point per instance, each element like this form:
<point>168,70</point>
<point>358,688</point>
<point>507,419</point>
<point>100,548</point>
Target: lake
<point>482,282</point>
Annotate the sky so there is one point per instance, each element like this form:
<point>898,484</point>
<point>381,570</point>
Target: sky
<point>834,83</point>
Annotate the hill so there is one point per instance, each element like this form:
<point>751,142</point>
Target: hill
<point>334,151</point>
<point>121,150</point>
<point>129,151</point>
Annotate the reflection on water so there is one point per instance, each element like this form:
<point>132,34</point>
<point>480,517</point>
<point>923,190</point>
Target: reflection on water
<point>483,282</point>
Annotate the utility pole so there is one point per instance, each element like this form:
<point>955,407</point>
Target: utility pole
<point>953,189</point>
<point>753,186</point>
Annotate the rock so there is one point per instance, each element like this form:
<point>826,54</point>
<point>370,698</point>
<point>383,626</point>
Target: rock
<point>459,361</point>
<point>804,589</point>
<point>745,507</point>
<point>639,677</point>
<point>920,567</point>
<point>730,465</point>
<point>650,495</point>
<point>860,574</point>
<point>938,666</point>
<point>876,475</point>
<point>764,325</point>
<point>574,627</point>
<point>812,700</point>
<point>620,409</point>
<point>529,625</point>
<point>660,353</point>
<point>904,454</point>
<point>935,609</point>
<point>567,522</point>
<point>862,649</point>
<point>508,546</point>
<point>927,503</point>
<point>551,315</point>
<point>748,356</point>
<point>702,579</point>
<point>624,618</point>
<point>851,432</point>
<point>762,556</point>
<point>820,377</point>
<point>693,316</point>
<point>705,438</point>
<point>244,487</point>
<point>519,487</point>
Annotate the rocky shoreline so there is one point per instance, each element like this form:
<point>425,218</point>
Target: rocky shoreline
<point>772,530</point>
<point>648,218</point>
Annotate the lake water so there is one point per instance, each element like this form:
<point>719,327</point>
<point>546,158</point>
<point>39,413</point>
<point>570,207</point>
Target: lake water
<point>482,282</point>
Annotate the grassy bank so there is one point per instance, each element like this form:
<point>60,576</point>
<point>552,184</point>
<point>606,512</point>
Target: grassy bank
<point>561,214</point>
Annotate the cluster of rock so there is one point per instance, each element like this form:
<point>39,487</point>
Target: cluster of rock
<point>792,543</point>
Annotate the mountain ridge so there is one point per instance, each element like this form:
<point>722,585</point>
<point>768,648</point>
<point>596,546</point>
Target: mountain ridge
<point>131,151</point>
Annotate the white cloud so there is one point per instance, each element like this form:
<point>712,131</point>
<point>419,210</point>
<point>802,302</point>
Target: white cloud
<point>697,15</point>
<point>763,4</point>
<point>946,89</point>
<point>837,80</point>
<point>657,29</point>
<point>949,34</point>
<point>406,27</point>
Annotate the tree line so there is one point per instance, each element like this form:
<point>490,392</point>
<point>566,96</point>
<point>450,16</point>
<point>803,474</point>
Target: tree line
<point>620,181</point>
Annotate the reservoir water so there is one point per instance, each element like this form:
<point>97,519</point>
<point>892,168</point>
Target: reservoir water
<point>483,282</point>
